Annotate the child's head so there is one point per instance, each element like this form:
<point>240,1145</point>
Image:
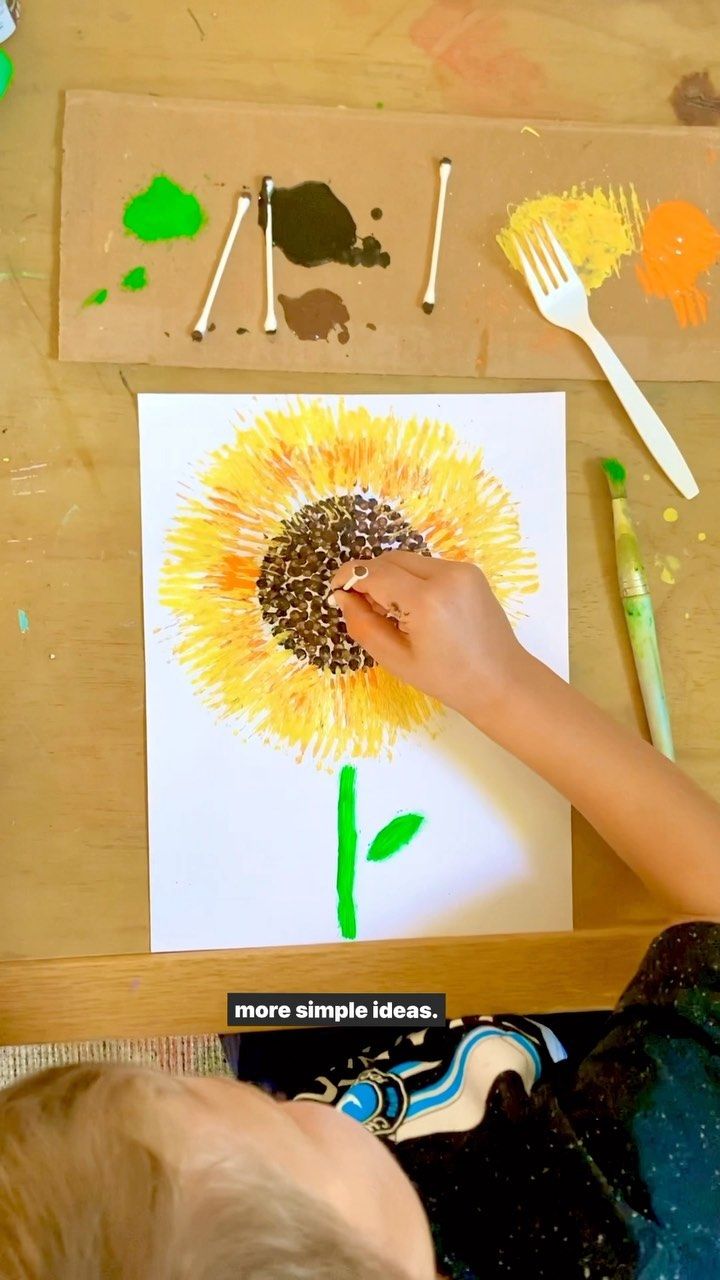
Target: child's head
<point>121,1173</point>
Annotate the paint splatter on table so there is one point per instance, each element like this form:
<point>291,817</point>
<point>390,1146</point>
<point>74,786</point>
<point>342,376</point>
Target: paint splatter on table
<point>164,211</point>
<point>613,196</point>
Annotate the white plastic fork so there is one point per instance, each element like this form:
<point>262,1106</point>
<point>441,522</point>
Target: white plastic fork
<point>561,299</point>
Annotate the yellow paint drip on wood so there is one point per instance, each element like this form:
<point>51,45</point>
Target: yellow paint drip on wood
<point>670,514</point>
<point>669,567</point>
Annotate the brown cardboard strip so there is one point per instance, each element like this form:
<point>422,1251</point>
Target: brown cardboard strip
<point>484,323</point>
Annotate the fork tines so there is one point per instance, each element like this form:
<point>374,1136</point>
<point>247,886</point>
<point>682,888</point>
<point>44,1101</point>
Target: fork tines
<point>551,267</point>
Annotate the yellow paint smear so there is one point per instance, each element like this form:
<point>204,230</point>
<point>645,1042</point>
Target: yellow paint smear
<point>702,536</point>
<point>670,514</point>
<point>597,228</point>
<point>527,128</point>
<point>668,566</point>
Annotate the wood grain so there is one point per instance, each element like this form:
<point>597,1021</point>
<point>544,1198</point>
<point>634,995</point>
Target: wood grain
<point>98,997</point>
<point>73,872</point>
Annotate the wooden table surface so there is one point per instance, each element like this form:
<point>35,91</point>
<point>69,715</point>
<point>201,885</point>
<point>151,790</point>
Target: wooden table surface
<point>73,862</point>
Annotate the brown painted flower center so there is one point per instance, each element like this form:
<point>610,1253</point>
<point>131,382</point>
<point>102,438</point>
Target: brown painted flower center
<point>294,580</point>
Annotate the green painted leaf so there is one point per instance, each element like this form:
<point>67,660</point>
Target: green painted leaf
<point>395,836</point>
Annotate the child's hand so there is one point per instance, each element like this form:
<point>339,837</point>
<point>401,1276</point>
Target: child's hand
<point>437,625</point>
<point>452,640</point>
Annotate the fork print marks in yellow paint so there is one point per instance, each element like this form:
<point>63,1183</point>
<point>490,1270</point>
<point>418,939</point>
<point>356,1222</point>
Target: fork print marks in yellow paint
<point>597,228</point>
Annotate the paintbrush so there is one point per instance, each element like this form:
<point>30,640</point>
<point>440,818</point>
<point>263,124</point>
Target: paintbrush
<point>638,609</point>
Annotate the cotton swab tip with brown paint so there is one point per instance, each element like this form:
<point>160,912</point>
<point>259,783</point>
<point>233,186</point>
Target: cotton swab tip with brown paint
<point>360,572</point>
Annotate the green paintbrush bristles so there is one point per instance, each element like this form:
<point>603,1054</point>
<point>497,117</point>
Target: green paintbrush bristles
<point>616,476</point>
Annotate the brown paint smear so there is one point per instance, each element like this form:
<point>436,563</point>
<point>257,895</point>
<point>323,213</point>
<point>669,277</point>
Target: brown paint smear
<point>315,314</point>
<point>695,99</point>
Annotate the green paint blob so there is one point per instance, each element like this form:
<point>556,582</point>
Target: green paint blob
<point>136,279</point>
<point>164,212</point>
<point>23,622</point>
<point>347,851</point>
<point>96,299</point>
<point>7,71</point>
<point>614,470</point>
<point>395,836</point>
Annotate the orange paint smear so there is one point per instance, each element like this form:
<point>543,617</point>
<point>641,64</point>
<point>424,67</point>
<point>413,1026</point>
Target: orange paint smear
<point>475,46</point>
<point>679,243</point>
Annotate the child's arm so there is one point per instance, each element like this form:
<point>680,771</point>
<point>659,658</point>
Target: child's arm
<point>455,643</point>
<point>651,813</point>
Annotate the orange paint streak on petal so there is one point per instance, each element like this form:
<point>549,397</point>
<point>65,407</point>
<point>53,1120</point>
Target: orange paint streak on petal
<point>237,573</point>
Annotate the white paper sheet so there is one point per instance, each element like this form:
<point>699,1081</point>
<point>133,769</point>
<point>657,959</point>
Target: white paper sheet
<point>243,837</point>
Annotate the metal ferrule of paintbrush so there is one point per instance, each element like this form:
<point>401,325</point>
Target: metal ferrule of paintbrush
<point>630,568</point>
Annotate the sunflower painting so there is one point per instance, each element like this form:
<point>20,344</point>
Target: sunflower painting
<point>260,521</point>
<point>299,491</point>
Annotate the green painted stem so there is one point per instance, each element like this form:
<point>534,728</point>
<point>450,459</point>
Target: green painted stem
<point>347,851</point>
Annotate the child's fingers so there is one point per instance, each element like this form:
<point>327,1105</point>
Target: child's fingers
<point>412,562</point>
<point>347,570</point>
<point>387,583</point>
<point>376,608</point>
<point>376,634</point>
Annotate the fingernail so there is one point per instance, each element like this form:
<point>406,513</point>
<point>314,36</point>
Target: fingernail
<point>332,600</point>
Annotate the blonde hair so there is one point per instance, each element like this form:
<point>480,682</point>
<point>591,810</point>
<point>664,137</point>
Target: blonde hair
<point>86,1194</point>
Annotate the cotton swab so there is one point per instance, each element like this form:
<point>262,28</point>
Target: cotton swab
<point>268,186</point>
<point>359,572</point>
<point>444,174</point>
<point>201,327</point>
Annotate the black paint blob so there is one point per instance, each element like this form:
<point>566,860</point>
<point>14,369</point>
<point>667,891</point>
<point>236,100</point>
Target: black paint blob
<point>376,214</point>
<point>312,227</point>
